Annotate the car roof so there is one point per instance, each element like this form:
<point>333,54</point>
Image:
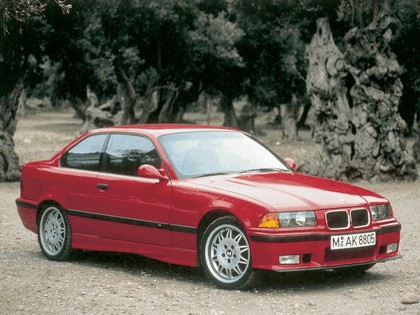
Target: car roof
<point>156,130</point>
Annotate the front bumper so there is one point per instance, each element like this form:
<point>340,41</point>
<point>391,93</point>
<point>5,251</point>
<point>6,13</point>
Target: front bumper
<point>314,249</point>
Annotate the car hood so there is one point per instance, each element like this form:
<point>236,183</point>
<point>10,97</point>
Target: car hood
<point>291,191</point>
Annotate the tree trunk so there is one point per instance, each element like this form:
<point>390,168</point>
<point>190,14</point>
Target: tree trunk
<point>362,138</point>
<point>95,116</point>
<point>22,102</point>
<point>80,108</point>
<point>289,113</point>
<point>128,99</point>
<point>375,13</point>
<point>416,150</point>
<point>229,110</point>
<point>150,104</point>
<point>209,106</point>
<point>302,121</point>
<point>166,114</point>
<point>9,161</point>
<point>330,113</point>
<point>179,115</point>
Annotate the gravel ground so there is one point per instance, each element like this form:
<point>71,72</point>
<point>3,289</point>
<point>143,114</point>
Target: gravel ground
<point>108,283</point>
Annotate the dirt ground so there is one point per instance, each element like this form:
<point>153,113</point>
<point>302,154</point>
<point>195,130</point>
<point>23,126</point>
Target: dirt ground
<point>106,283</point>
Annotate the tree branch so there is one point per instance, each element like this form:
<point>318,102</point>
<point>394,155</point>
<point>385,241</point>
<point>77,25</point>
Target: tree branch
<point>21,10</point>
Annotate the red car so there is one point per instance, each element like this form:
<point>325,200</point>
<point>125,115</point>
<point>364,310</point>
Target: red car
<point>201,196</point>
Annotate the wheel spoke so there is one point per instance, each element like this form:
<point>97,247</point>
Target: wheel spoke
<point>229,233</point>
<point>243,248</point>
<point>243,260</point>
<point>237,270</point>
<point>220,268</point>
<point>238,238</point>
<point>229,273</point>
<point>220,237</point>
<point>61,239</point>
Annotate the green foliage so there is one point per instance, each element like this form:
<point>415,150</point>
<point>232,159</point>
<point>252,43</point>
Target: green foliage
<point>213,54</point>
<point>140,35</point>
<point>407,49</point>
<point>232,47</point>
<point>18,12</point>
<point>215,37</point>
<point>272,48</point>
<point>21,53</point>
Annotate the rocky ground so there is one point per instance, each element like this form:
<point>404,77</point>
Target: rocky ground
<point>105,283</point>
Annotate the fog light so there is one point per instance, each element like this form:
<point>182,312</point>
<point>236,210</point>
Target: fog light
<point>391,248</point>
<point>289,259</point>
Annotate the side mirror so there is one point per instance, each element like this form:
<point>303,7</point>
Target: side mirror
<point>149,171</point>
<point>291,163</point>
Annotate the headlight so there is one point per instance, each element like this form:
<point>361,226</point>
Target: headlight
<point>380,212</point>
<point>295,219</point>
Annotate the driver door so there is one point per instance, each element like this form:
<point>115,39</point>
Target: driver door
<point>133,208</point>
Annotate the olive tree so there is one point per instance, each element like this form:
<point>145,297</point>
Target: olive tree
<point>273,51</point>
<point>20,43</point>
<point>160,56</point>
<point>355,95</point>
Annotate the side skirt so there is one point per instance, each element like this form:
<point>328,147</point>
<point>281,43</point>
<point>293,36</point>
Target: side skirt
<point>170,255</point>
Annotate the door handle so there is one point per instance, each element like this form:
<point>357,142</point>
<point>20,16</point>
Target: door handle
<point>102,186</point>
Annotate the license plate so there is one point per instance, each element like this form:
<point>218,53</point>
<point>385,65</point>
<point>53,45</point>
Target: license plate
<point>353,240</point>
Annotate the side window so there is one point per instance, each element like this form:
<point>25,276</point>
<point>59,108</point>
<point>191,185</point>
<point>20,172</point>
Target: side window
<point>86,154</point>
<point>126,153</point>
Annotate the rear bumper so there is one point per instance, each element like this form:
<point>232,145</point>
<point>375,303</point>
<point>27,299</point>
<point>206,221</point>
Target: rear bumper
<point>27,212</point>
<point>314,249</point>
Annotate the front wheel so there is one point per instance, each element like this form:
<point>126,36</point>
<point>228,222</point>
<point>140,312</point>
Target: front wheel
<point>54,233</point>
<point>225,254</point>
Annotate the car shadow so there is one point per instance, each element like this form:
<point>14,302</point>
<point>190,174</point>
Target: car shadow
<point>316,280</point>
<point>138,265</point>
<point>308,281</point>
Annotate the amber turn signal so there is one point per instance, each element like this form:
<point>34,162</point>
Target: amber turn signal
<point>269,220</point>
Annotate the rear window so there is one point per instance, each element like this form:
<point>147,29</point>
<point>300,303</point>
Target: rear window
<point>86,154</point>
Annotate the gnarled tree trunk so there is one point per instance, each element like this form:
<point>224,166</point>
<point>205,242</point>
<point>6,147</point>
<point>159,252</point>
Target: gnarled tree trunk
<point>128,99</point>
<point>230,115</point>
<point>416,150</point>
<point>9,161</point>
<point>289,113</point>
<point>358,131</point>
<point>95,115</point>
<point>166,114</point>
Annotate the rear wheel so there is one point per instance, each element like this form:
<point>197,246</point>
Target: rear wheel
<point>225,254</point>
<point>54,233</point>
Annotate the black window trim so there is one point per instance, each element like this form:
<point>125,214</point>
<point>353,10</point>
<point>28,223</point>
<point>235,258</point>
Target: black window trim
<point>102,163</point>
<point>78,142</point>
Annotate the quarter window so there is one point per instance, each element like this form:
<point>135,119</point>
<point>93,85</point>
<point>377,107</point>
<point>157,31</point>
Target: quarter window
<point>125,154</point>
<point>86,154</point>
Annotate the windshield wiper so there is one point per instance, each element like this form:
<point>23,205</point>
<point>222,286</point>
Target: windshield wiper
<point>255,170</point>
<point>264,170</point>
<point>213,174</point>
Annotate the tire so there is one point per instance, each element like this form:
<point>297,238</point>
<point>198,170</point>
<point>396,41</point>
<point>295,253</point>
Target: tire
<point>54,233</point>
<point>225,255</point>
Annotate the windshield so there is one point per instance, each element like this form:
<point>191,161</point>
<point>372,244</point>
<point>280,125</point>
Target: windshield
<point>206,153</point>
